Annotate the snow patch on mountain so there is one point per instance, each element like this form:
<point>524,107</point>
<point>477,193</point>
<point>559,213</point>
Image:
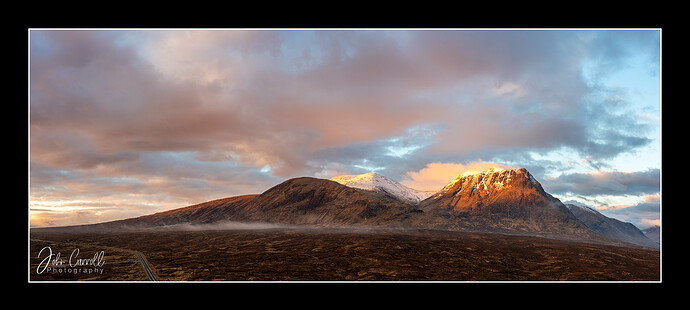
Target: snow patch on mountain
<point>474,172</point>
<point>376,182</point>
<point>571,206</point>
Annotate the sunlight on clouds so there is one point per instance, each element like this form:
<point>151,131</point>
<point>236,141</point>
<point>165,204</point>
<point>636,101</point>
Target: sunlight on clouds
<point>650,222</point>
<point>652,198</point>
<point>613,208</point>
<point>78,212</point>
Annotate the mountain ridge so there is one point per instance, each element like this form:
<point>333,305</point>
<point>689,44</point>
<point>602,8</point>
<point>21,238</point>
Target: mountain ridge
<point>494,200</point>
<point>609,226</point>
<point>504,200</point>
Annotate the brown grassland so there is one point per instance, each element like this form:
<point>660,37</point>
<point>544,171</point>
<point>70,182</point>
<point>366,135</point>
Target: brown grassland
<point>345,255</point>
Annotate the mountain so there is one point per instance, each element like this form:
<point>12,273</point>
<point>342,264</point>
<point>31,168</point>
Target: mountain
<point>609,226</point>
<point>505,200</point>
<point>298,201</point>
<point>376,182</point>
<point>323,202</point>
<point>495,200</point>
<point>653,233</point>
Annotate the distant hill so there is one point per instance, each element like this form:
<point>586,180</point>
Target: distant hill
<point>653,233</point>
<point>611,227</point>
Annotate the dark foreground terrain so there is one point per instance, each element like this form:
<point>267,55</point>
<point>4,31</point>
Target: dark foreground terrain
<point>340,255</point>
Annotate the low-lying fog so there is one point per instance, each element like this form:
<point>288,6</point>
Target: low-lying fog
<point>269,226</point>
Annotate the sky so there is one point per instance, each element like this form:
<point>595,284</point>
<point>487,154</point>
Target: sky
<point>129,122</point>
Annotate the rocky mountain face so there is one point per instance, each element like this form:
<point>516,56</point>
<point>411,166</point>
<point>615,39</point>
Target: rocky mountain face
<point>504,200</point>
<point>609,226</point>
<point>323,202</point>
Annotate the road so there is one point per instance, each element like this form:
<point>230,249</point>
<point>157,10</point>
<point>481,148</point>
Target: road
<point>147,268</point>
<point>142,259</point>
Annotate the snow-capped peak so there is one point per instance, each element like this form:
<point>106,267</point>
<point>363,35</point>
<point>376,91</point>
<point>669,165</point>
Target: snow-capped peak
<point>376,182</point>
<point>492,178</point>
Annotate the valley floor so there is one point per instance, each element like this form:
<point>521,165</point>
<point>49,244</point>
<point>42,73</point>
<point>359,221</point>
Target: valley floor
<point>340,255</point>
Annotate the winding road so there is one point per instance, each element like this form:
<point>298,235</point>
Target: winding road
<point>142,260</point>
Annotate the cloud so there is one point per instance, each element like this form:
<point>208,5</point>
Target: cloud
<point>645,213</point>
<point>436,175</point>
<point>230,91</point>
<point>606,183</point>
<point>646,223</point>
<point>211,109</point>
